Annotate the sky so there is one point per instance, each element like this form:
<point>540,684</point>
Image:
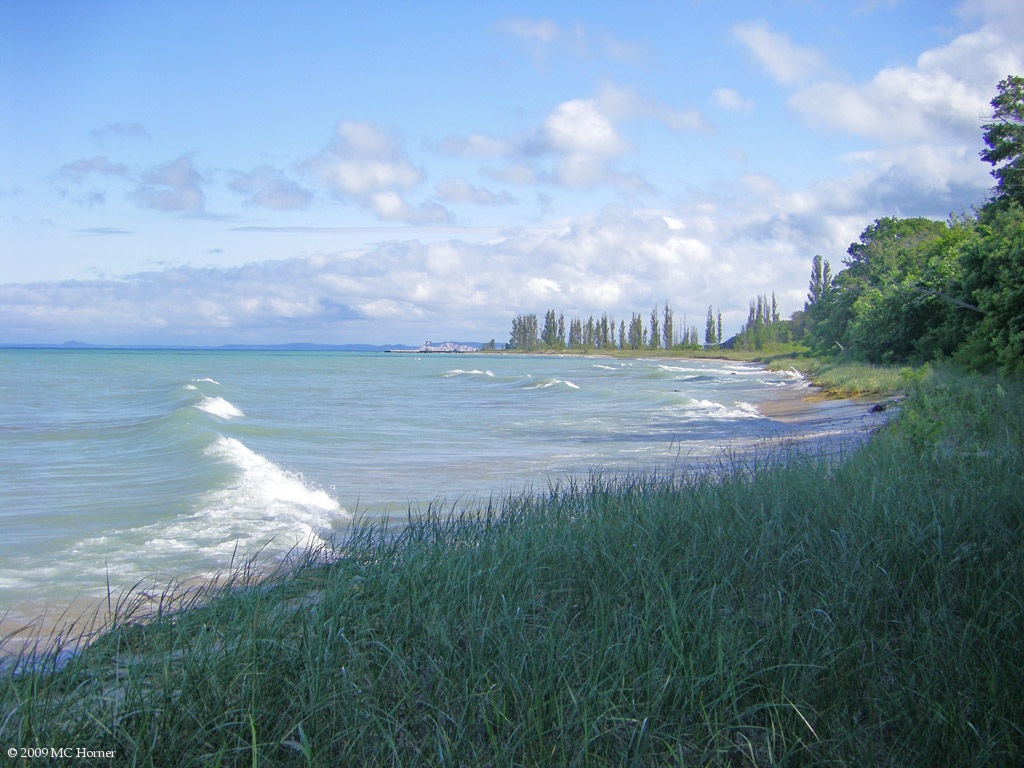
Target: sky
<point>330,172</point>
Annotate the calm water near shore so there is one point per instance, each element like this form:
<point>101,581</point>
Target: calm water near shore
<point>128,467</point>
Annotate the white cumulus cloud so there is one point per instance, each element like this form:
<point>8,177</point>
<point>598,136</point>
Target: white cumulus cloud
<point>785,61</point>
<point>367,165</point>
<point>579,127</point>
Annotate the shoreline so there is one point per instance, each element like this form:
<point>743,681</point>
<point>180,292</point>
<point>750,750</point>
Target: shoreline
<point>808,402</point>
<point>811,424</point>
<point>824,424</point>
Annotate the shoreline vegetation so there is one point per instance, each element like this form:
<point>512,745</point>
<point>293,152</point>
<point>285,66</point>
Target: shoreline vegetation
<point>860,610</point>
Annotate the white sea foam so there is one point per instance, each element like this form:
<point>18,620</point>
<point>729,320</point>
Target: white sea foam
<point>264,508</point>
<point>268,492</point>
<point>739,369</point>
<point>219,407</point>
<point>548,383</point>
<point>266,503</point>
<point>748,410</point>
<point>207,381</point>
<point>712,372</point>
<point>709,408</point>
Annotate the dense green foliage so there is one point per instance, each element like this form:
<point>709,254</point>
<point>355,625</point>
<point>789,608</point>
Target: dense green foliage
<point>1004,139</point>
<point>811,612</point>
<point>992,261</point>
<point>915,290</point>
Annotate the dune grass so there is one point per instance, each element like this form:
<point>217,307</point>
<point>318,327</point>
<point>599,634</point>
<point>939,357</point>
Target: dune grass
<point>841,376</point>
<point>866,612</point>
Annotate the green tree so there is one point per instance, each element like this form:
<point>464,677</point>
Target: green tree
<point>636,332</point>
<point>550,333</point>
<point>604,332</point>
<point>575,333</point>
<point>752,332</point>
<point>524,334</point>
<point>821,280</point>
<point>709,328</point>
<point>1004,139</point>
<point>666,328</point>
<point>890,251</point>
<point>993,276</point>
<point>655,337</point>
<point>919,315</point>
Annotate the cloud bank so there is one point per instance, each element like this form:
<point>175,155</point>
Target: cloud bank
<point>618,261</point>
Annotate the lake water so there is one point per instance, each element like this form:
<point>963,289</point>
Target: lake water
<point>130,467</point>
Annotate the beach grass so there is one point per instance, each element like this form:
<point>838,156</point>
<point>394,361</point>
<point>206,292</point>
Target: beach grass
<point>843,377</point>
<point>856,612</point>
<point>836,376</point>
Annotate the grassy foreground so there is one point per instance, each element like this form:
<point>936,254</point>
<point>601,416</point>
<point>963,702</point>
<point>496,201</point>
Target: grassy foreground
<point>862,613</point>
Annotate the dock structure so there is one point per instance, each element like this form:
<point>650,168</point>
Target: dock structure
<point>447,347</point>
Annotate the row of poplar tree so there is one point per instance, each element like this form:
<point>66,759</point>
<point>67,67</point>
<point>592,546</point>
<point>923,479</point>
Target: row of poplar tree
<point>764,326</point>
<point>660,332</point>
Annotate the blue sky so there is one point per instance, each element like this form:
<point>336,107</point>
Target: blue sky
<point>255,172</point>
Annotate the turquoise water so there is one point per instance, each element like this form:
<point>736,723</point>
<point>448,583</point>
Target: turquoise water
<point>124,467</point>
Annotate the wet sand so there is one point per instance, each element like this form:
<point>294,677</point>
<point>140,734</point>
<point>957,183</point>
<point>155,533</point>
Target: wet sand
<point>819,425</point>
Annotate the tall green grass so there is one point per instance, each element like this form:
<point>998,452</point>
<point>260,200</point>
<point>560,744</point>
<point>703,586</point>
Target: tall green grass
<point>844,377</point>
<point>867,612</point>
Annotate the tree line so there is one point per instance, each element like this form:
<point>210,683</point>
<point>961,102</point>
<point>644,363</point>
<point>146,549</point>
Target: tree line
<point>910,290</point>
<point>914,290</point>
<point>660,331</point>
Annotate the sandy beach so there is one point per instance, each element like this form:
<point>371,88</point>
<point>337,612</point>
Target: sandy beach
<point>819,425</point>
